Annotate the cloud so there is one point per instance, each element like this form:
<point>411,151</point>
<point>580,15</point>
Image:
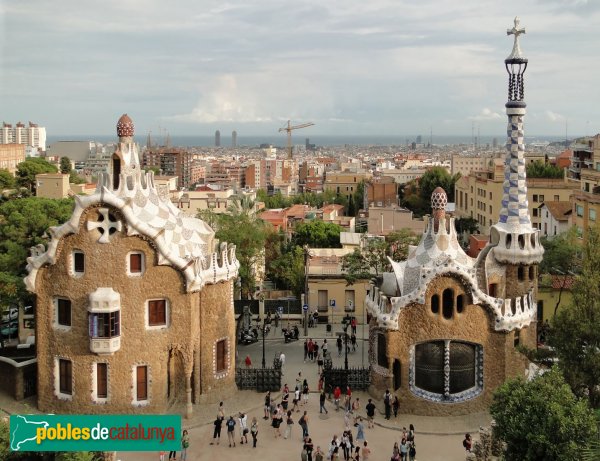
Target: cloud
<point>485,114</point>
<point>554,117</point>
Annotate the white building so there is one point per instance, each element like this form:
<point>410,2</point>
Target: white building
<point>31,135</point>
<point>556,218</point>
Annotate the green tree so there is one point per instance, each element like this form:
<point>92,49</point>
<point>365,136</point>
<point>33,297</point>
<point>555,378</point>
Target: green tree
<point>539,169</point>
<point>358,198</point>
<point>7,180</point>
<point>542,419</point>
<point>398,243</point>
<point>65,165</point>
<point>287,270</point>
<point>437,177</point>
<point>354,267</point>
<point>560,253</point>
<point>575,330</point>
<point>27,170</point>
<point>467,225</point>
<point>74,178</point>
<point>317,234</point>
<point>23,224</point>
<point>242,228</point>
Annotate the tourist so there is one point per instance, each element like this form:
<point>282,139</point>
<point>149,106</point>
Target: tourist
<point>347,419</point>
<point>345,445</point>
<point>248,362</point>
<point>412,451</point>
<point>308,444</point>
<point>230,428</point>
<point>311,346</point>
<point>319,455</point>
<point>324,348</point>
<point>276,422</point>
<point>395,405</point>
<point>296,400</point>
<point>315,351</point>
<point>305,349</point>
<point>303,455</point>
<point>305,391</point>
<point>243,423</point>
<point>411,433</point>
<point>353,325</point>
<point>337,392</point>
<point>161,455</point>
<point>267,408</point>
<point>254,431</point>
<point>185,444</point>
<point>319,363</point>
<point>355,406</point>
<point>299,380</point>
<point>221,411</point>
<point>339,346</point>
<point>288,425</point>
<point>396,452</point>
<point>468,442</point>
<point>304,424</point>
<point>332,446</point>
<point>172,455</point>
<point>322,398</point>
<point>335,456</point>
<point>370,413</point>
<point>404,433</point>
<point>285,398</point>
<point>403,450</point>
<point>387,401</point>
<point>356,456</point>
<point>353,342</point>
<point>321,383</point>
<point>360,434</point>
<point>217,432</point>
<point>366,452</point>
<point>282,361</point>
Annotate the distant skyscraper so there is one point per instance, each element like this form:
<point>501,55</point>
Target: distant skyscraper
<point>234,138</point>
<point>495,142</point>
<point>419,139</point>
<point>218,138</point>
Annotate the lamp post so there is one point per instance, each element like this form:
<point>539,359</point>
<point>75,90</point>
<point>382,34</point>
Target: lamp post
<point>264,327</point>
<point>346,323</point>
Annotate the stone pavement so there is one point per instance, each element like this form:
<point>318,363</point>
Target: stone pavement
<point>438,438</point>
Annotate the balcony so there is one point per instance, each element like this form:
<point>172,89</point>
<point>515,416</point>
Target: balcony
<point>105,345</point>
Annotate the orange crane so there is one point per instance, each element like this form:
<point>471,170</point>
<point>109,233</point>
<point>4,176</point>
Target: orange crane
<point>289,129</point>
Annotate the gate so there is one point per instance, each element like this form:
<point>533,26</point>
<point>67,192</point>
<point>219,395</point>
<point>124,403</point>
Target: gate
<point>260,379</point>
<point>29,383</point>
<point>356,377</point>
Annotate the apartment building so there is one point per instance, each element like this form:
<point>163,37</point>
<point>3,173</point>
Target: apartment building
<point>345,182</point>
<point>173,161</point>
<point>382,190</point>
<point>11,155</point>
<point>32,135</point>
<point>586,201</point>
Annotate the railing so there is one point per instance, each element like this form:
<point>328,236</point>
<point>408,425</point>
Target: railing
<point>260,379</point>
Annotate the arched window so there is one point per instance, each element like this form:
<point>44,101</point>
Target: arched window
<point>508,240</point>
<point>459,303</point>
<point>116,170</point>
<point>521,273</point>
<point>382,359</point>
<point>521,241</point>
<point>533,240</point>
<point>531,272</point>
<point>430,370</point>
<point>435,304</point>
<point>447,303</point>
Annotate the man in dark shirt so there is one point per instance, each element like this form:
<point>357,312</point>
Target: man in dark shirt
<point>370,413</point>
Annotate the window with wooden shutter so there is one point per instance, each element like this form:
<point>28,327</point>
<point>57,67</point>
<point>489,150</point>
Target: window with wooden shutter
<point>221,355</point>
<point>157,312</point>
<point>78,262</point>
<point>135,263</point>
<point>101,380</point>
<point>142,383</point>
<point>65,376</point>
<point>63,307</point>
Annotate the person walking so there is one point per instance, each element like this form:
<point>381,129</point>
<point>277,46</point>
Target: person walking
<point>395,405</point>
<point>411,433</point>
<point>305,350</point>
<point>319,455</point>
<point>353,342</point>
<point>468,442</point>
<point>322,399</point>
<point>360,430</point>
<point>254,431</point>
<point>217,432</point>
<point>339,345</point>
<point>285,398</point>
<point>305,391</point>
<point>248,362</point>
<point>282,361</point>
<point>324,348</point>
<point>337,392</point>
<point>243,426</point>
<point>288,425</point>
<point>315,351</point>
<point>370,413</point>
<point>366,452</point>
<point>308,444</point>
<point>310,349</point>
<point>276,422</point>
<point>185,444</point>
<point>353,325</point>
<point>345,445</point>
<point>356,456</point>
<point>319,363</point>
<point>267,408</point>
<point>304,424</point>
<point>172,455</point>
<point>296,400</point>
<point>387,401</point>
<point>161,455</point>
<point>230,431</point>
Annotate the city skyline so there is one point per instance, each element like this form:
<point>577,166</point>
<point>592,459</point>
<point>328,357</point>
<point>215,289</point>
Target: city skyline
<point>386,68</point>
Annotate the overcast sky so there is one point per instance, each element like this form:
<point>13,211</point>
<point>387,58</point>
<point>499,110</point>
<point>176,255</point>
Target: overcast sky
<point>390,67</point>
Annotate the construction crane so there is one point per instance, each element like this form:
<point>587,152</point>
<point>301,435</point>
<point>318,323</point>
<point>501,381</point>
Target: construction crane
<point>289,129</point>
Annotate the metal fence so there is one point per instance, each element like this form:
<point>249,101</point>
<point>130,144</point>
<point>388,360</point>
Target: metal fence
<point>260,379</point>
<point>357,378</point>
<point>289,306</point>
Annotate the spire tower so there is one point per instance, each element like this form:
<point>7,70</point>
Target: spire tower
<point>517,242</point>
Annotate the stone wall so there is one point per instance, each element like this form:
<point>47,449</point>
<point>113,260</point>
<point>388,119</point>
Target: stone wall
<point>418,324</point>
<point>161,349</point>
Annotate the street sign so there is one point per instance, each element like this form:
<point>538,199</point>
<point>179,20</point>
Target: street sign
<point>332,303</point>
<point>305,307</point>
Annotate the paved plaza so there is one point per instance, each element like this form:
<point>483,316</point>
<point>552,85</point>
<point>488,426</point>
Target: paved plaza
<point>437,438</point>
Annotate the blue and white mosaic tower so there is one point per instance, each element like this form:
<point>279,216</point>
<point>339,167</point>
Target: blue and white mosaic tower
<point>517,242</point>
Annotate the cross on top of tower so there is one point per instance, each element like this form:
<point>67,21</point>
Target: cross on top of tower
<point>516,51</point>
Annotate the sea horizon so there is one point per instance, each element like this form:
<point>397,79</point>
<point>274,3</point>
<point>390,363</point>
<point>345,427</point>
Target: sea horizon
<point>318,140</point>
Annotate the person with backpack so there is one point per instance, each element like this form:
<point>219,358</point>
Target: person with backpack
<point>412,451</point>
<point>217,432</point>
<point>230,431</point>
<point>387,401</point>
